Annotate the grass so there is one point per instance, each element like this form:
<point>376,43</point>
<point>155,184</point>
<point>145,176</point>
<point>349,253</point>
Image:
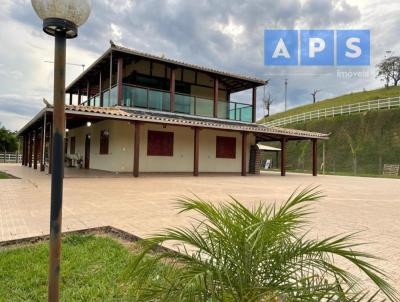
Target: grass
<point>4,175</point>
<point>371,138</point>
<point>350,98</point>
<point>93,269</point>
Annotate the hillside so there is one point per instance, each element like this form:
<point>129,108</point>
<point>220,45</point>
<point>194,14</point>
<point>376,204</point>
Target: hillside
<point>340,100</point>
<point>360,144</point>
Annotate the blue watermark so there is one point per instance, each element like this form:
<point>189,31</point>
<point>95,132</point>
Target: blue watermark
<point>317,47</point>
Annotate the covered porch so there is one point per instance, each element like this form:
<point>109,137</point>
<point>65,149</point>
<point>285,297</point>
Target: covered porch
<point>197,139</point>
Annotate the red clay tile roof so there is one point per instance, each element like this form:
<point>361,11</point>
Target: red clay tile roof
<point>189,65</point>
<point>143,115</point>
<point>119,48</point>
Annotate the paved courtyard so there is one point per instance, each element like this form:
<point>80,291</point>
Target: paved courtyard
<point>145,205</point>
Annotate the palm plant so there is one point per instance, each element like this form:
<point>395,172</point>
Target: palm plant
<point>233,253</point>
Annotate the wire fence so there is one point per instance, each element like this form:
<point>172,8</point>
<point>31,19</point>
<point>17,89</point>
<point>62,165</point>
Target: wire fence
<point>10,157</point>
<point>379,104</point>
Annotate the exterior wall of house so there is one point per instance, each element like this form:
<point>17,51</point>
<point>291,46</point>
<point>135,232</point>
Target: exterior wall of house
<point>119,157</point>
<point>121,140</point>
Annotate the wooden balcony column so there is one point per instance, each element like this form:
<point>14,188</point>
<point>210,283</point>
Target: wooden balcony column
<point>283,156</point>
<point>101,89</point>
<point>88,93</point>
<point>50,144</point>
<point>43,144</point>
<point>314,157</point>
<point>35,149</point>
<point>70,98</point>
<point>120,91</point>
<point>244,153</point>
<point>23,150</point>
<point>216,84</point>
<point>196,151</point>
<point>79,96</point>
<point>30,150</point>
<point>136,149</point>
<point>254,103</point>
<point>172,89</point>
<point>27,149</point>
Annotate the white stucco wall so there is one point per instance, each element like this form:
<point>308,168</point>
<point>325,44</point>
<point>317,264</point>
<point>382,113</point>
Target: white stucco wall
<point>208,162</point>
<point>121,140</point>
<point>119,157</point>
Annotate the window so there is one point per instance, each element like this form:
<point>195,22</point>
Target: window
<point>226,147</point>
<point>104,141</point>
<point>72,146</point>
<point>160,143</point>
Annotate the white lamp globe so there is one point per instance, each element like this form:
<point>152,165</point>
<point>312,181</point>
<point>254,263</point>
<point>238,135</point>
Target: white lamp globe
<point>62,15</point>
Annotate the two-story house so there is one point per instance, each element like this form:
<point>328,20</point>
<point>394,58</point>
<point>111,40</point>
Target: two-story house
<point>136,112</point>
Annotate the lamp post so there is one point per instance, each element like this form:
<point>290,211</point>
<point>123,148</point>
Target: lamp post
<point>61,19</point>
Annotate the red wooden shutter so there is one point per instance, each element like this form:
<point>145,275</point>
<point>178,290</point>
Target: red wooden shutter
<point>160,143</point>
<point>226,147</point>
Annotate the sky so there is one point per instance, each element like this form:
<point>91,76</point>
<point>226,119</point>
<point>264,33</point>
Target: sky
<point>227,35</point>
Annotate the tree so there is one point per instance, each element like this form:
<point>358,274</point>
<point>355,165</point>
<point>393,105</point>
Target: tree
<point>8,140</point>
<point>268,100</point>
<point>314,94</point>
<point>262,254</point>
<point>389,70</point>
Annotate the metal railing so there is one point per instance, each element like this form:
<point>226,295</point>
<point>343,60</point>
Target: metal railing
<point>10,157</point>
<point>379,104</point>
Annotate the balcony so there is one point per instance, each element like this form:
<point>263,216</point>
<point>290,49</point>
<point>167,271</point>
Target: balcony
<point>154,99</point>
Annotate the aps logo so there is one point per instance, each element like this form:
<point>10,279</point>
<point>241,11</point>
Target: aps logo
<point>316,47</point>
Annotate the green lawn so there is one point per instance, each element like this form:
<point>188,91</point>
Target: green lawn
<point>340,100</point>
<point>94,268</point>
<point>4,175</point>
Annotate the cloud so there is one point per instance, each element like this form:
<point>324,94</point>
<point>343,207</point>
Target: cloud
<point>222,34</point>
<point>116,32</point>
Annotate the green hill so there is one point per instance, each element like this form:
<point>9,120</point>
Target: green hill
<point>340,100</point>
<point>360,144</point>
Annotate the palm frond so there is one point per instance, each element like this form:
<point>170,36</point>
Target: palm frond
<point>263,253</point>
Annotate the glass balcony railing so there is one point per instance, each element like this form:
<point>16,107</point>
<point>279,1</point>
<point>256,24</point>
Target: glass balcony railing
<point>240,112</point>
<point>142,97</point>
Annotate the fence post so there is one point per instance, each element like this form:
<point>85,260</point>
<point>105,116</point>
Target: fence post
<point>389,103</point>
<point>5,154</point>
<point>378,104</point>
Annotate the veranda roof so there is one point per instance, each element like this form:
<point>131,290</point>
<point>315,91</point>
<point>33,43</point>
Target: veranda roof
<point>151,116</point>
<point>268,148</point>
